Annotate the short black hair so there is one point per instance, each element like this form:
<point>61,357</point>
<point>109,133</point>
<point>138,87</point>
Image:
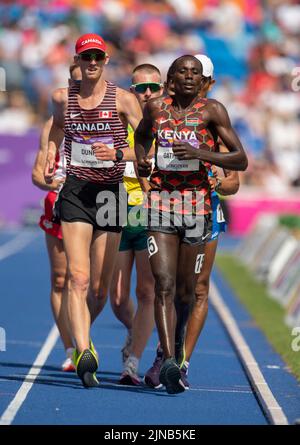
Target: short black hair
<point>173,66</point>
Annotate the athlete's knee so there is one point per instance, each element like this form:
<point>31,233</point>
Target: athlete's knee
<point>118,296</point>
<point>79,280</point>
<point>201,291</point>
<point>145,294</point>
<point>99,294</point>
<point>58,280</point>
<point>164,287</point>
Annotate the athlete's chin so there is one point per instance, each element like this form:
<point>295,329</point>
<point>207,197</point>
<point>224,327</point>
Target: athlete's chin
<point>93,75</point>
<point>189,92</point>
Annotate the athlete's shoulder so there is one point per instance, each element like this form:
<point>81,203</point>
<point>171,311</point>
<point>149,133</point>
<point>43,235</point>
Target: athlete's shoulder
<point>122,94</point>
<point>60,95</point>
<point>126,102</point>
<point>214,104</point>
<point>216,111</point>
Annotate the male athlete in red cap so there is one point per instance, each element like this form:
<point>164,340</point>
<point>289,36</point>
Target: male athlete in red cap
<point>94,116</point>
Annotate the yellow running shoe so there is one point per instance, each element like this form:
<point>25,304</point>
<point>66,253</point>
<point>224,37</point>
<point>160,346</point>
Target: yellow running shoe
<point>86,367</point>
<point>180,352</point>
<point>94,351</point>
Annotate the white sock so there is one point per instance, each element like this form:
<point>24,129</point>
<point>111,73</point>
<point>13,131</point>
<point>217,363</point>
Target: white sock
<point>134,361</point>
<point>186,364</point>
<point>69,352</point>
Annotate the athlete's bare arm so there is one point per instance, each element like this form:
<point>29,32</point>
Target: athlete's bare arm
<point>130,113</point>
<point>144,182</point>
<point>128,108</point>
<point>59,101</point>
<point>40,160</point>
<point>231,182</point>
<point>216,117</point>
<point>143,136</point>
<point>228,184</point>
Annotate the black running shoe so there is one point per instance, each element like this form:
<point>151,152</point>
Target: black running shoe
<point>170,376</point>
<point>86,367</point>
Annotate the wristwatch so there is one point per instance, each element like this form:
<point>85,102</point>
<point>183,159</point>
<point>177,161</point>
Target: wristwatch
<point>218,184</point>
<point>119,155</point>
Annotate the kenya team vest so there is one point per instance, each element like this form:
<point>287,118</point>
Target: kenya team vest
<point>185,176</point>
<point>84,127</point>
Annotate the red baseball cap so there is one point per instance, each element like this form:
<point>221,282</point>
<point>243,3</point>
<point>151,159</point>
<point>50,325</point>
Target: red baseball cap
<point>90,41</point>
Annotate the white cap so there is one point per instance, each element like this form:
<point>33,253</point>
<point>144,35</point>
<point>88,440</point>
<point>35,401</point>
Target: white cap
<point>207,65</point>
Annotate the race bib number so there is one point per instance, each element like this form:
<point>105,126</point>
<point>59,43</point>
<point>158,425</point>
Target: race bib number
<point>220,214</point>
<point>82,154</point>
<point>166,159</point>
<point>129,170</point>
<point>199,262</point>
<point>152,246</point>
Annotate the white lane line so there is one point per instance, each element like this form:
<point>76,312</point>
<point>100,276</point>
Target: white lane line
<point>13,408</point>
<point>266,398</point>
<point>237,391</point>
<point>15,245</point>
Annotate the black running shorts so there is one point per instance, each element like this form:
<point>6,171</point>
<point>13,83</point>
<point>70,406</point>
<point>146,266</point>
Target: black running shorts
<point>101,205</point>
<point>191,229</point>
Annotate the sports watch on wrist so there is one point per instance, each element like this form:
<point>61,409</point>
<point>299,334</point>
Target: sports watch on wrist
<point>119,155</point>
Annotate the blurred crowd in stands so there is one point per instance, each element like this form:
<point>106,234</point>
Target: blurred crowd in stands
<point>254,46</point>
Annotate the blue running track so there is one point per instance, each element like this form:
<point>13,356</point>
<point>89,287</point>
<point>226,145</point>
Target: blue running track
<point>220,392</point>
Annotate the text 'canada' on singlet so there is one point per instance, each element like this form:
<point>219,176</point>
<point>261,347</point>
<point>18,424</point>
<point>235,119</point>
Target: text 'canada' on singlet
<point>185,176</point>
<point>85,127</point>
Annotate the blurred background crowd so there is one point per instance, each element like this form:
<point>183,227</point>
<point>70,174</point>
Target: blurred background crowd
<point>254,46</point>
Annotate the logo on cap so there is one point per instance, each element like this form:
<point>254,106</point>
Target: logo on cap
<point>90,41</point>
